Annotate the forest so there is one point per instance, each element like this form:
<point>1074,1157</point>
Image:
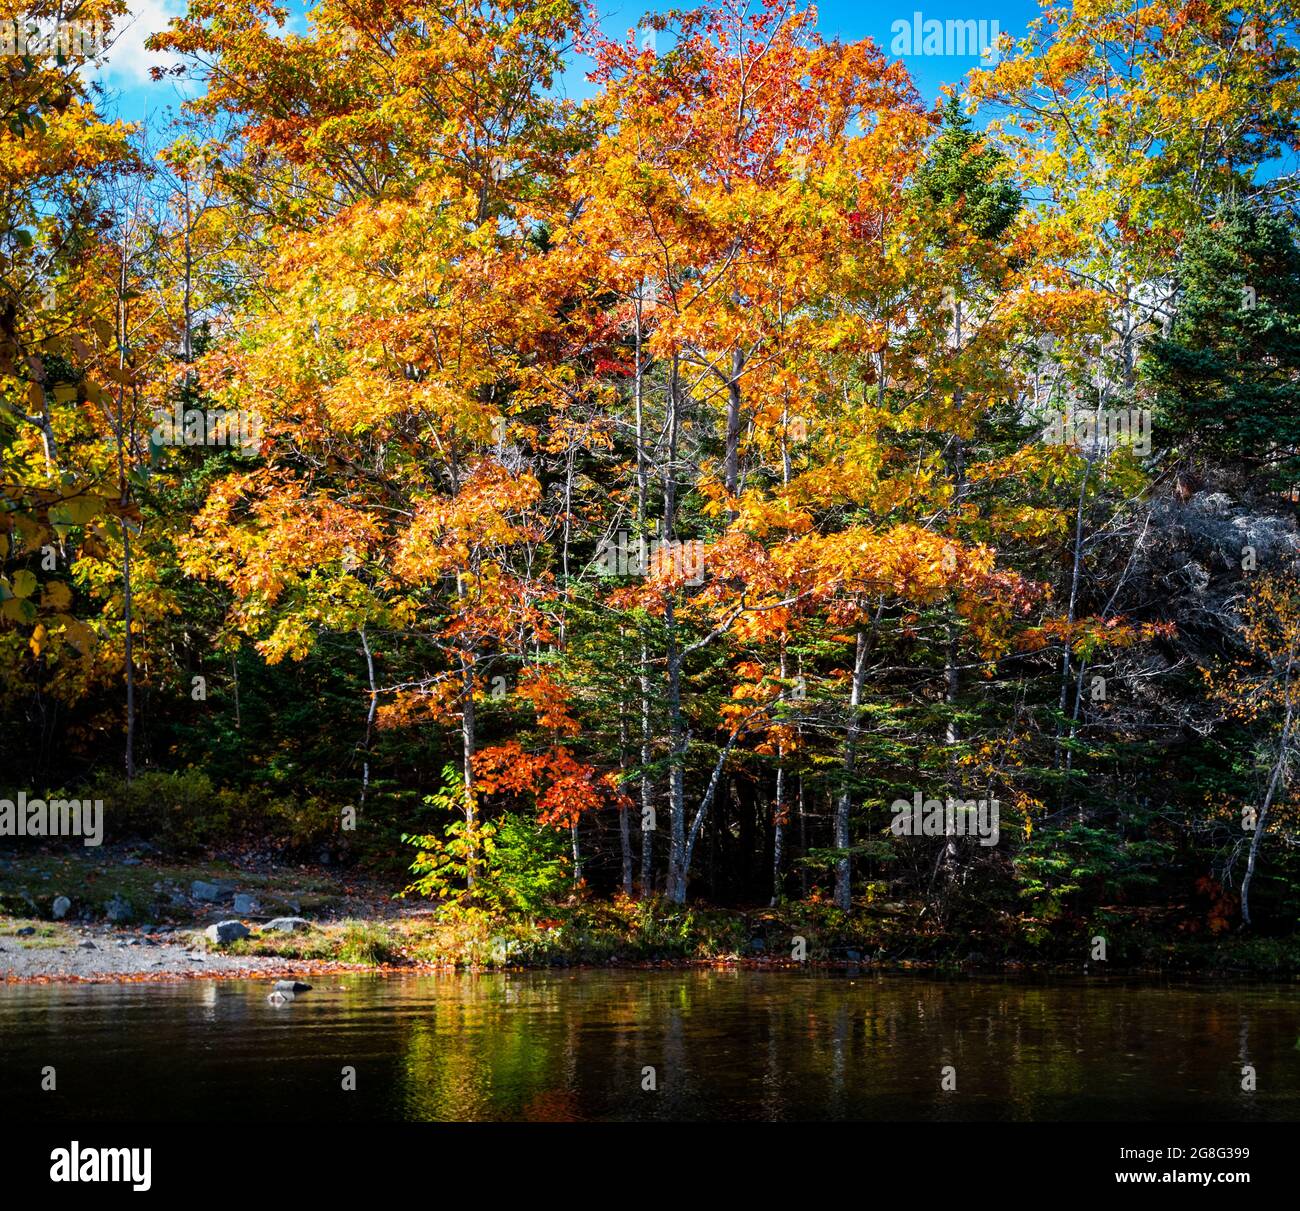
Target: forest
<point>744,491</point>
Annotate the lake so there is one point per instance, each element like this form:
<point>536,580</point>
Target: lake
<point>698,1044</point>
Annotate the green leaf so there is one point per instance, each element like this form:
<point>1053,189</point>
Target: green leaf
<point>18,610</point>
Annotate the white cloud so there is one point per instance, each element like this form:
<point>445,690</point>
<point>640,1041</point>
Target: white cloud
<point>127,62</point>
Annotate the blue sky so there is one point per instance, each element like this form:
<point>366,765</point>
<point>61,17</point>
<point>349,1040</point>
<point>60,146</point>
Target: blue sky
<point>133,96</point>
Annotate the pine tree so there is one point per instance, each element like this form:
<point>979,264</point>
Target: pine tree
<point>1225,378</point>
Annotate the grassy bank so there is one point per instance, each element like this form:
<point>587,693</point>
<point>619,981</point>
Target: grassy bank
<point>357,922</point>
<point>640,932</point>
<point>135,885</point>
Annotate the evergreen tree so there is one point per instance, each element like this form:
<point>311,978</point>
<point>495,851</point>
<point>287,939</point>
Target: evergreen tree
<point>1224,379</point>
<point>963,177</point>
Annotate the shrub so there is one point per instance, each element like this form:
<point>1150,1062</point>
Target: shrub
<point>180,811</point>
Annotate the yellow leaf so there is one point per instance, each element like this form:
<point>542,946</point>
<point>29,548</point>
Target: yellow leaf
<point>56,596</point>
<point>79,634</point>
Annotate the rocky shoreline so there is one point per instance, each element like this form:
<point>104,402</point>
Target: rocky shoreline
<point>102,954</point>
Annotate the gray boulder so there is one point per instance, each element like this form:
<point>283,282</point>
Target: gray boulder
<point>60,908</point>
<point>117,909</point>
<point>245,904</point>
<point>226,931</point>
<point>204,891</point>
<point>288,924</point>
<point>291,986</point>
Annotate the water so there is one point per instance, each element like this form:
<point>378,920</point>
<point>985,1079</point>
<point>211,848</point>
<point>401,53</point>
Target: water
<point>723,1045</point>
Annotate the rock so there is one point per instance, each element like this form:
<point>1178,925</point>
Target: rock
<point>244,905</point>
<point>287,924</point>
<point>226,931</point>
<point>280,998</point>
<point>25,932</point>
<point>195,958</point>
<point>204,891</point>
<point>854,956</point>
<point>757,946</point>
<point>118,909</point>
<point>1214,504</point>
<point>291,986</point>
<point>87,945</point>
<point>60,908</point>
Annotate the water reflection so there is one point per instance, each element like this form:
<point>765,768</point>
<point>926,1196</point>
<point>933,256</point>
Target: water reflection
<point>721,1044</point>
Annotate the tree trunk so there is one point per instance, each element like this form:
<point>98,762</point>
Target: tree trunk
<point>951,674</point>
<point>370,716</point>
<point>732,466</point>
<point>843,866</point>
<point>124,489</point>
<point>952,686</point>
<point>624,835</point>
<point>647,723</point>
<point>778,835</point>
<point>803,842</point>
<point>677,739</point>
<point>1073,606</point>
<point>129,652</point>
<point>1273,783</point>
<point>467,735</point>
<point>647,787</point>
<point>705,803</point>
